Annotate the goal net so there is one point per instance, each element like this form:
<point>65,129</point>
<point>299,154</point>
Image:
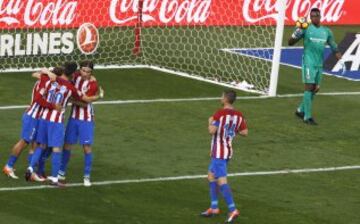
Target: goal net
<point>230,42</point>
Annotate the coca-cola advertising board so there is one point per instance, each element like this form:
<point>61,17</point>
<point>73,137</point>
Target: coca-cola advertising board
<point>107,13</point>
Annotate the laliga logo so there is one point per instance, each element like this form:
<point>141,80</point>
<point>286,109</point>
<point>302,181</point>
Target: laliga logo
<point>87,38</point>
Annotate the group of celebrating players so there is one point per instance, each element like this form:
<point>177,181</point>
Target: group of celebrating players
<point>43,122</point>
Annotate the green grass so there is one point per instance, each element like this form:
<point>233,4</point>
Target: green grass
<point>170,139</point>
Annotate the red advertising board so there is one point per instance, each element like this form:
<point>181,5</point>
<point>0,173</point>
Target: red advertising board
<point>104,13</point>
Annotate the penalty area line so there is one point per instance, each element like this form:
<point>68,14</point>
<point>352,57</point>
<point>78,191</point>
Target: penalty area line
<point>149,101</point>
<point>189,177</point>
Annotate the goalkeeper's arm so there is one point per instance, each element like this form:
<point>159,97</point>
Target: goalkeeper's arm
<point>296,36</point>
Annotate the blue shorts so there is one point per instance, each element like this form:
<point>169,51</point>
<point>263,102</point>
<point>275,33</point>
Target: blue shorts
<point>50,133</point>
<point>82,131</point>
<point>218,167</point>
<point>29,128</point>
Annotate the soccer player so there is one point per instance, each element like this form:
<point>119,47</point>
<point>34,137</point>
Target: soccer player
<point>29,124</point>
<point>80,126</point>
<point>224,125</point>
<point>51,128</point>
<point>316,37</point>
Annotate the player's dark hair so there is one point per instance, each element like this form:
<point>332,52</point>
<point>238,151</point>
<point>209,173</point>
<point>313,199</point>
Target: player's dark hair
<point>58,70</point>
<point>315,10</point>
<point>88,64</point>
<point>230,95</point>
<point>70,67</point>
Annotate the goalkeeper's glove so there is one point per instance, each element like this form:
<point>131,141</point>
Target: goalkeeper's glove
<point>297,33</point>
<point>343,66</point>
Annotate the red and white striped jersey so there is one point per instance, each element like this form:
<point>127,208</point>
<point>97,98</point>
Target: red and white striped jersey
<point>229,123</point>
<point>58,92</point>
<point>35,108</point>
<point>86,87</point>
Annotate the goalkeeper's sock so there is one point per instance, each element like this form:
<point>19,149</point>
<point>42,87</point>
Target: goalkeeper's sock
<point>55,163</point>
<point>301,107</point>
<point>66,154</point>
<point>308,95</point>
<point>11,161</point>
<point>87,164</point>
<point>226,192</point>
<point>213,194</point>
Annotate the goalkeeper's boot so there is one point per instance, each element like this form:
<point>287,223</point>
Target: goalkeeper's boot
<point>210,212</point>
<point>10,172</point>
<point>310,121</point>
<point>87,182</point>
<point>232,216</point>
<point>300,114</point>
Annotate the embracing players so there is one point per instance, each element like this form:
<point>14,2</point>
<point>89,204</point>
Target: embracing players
<point>224,125</point>
<point>80,127</point>
<point>51,128</point>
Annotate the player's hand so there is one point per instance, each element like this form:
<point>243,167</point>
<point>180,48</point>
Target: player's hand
<point>58,107</point>
<point>297,33</point>
<point>45,71</point>
<point>343,66</point>
<point>211,119</point>
<point>101,92</point>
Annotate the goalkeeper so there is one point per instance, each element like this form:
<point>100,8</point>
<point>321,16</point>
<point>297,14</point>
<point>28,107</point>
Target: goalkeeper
<point>316,37</point>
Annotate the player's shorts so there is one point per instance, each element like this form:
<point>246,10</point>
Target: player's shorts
<point>218,167</point>
<point>50,133</point>
<point>311,74</point>
<point>82,131</point>
<point>29,128</point>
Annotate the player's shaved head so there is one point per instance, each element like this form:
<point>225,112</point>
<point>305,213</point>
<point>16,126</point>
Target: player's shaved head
<point>59,71</point>
<point>315,16</point>
<point>230,96</point>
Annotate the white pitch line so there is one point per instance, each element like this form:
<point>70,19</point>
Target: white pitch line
<point>190,177</point>
<point>114,102</point>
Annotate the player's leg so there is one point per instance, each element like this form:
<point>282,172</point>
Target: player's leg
<point>86,135</point>
<point>41,139</point>
<point>308,75</point>
<point>213,192</point>
<point>56,141</point>
<point>226,190</point>
<point>71,138</point>
<point>27,135</point>
<point>41,165</point>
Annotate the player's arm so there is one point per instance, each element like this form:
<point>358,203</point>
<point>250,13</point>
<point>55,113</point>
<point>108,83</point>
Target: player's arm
<point>213,125</point>
<point>39,98</point>
<point>242,129</point>
<point>296,36</point>
<point>78,103</point>
<point>44,71</point>
<point>334,48</point>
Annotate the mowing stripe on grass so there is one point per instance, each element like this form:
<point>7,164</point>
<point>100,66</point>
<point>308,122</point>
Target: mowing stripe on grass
<point>190,177</point>
<point>110,102</point>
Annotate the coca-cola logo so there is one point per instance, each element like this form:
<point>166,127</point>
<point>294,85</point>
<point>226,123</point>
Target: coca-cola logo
<point>164,11</point>
<point>31,12</point>
<point>255,11</point>
<point>87,38</point>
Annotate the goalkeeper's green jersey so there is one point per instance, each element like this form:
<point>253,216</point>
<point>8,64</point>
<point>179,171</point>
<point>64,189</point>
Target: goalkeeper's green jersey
<point>315,40</point>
